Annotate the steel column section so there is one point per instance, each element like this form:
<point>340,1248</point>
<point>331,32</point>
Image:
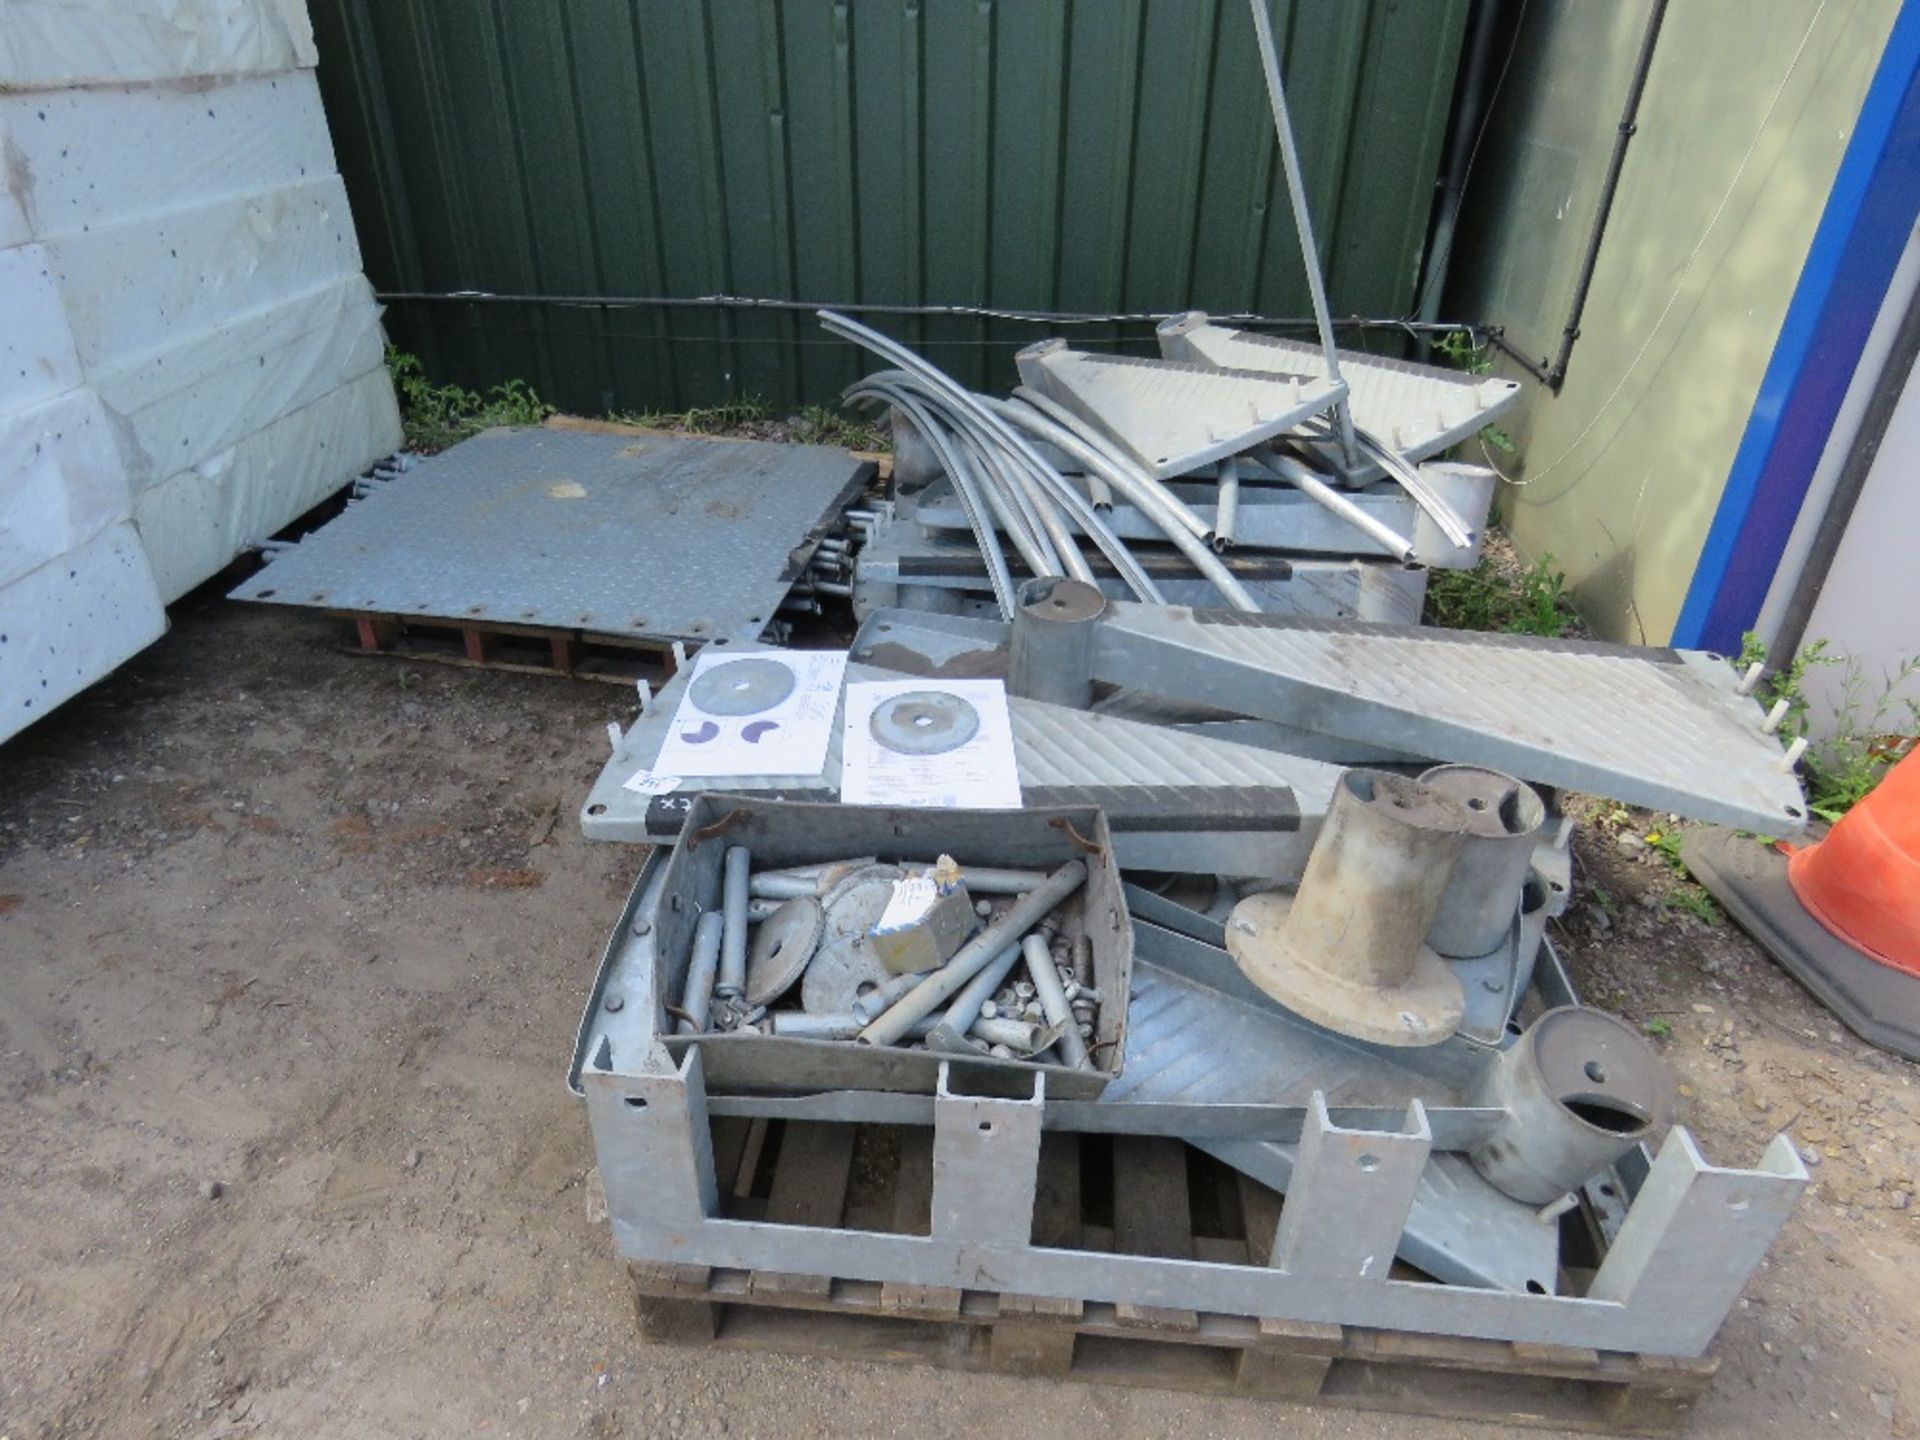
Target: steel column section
<point>1050,654</point>
<point>1350,1197</point>
<point>986,1159</point>
<point>1697,1232</point>
<point>1661,728</point>
<point>655,1147</point>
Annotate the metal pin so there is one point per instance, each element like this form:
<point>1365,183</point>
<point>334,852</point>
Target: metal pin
<point>696,998</point>
<point>613,737</point>
<point>1750,681</point>
<point>733,907</point>
<point>1794,752</point>
<point>1774,717</point>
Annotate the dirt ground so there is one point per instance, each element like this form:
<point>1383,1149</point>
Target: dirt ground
<point>292,946</point>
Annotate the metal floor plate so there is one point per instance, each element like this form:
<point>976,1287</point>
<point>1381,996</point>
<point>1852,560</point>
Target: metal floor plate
<point>663,538</point>
<point>1666,729</point>
<point>1419,410</point>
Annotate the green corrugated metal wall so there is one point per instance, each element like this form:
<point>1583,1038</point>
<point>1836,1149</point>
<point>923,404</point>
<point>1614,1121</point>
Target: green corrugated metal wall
<point>1093,156</point>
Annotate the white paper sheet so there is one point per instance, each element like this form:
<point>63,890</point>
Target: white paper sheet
<point>788,737</point>
<point>979,774</point>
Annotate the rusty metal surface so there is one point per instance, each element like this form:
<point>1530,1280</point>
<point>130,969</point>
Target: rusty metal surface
<point>685,539</point>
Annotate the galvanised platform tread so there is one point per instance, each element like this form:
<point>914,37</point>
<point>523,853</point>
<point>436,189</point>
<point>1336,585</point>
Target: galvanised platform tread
<point>1666,729</point>
<point>1057,750</point>
<point>1419,410</point>
<point>1156,1206</point>
<point>1172,416</point>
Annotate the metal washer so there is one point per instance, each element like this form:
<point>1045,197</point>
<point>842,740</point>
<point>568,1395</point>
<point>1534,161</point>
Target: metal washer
<point>743,687</point>
<point>782,945</point>
<point>924,722</point>
<point>845,961</point>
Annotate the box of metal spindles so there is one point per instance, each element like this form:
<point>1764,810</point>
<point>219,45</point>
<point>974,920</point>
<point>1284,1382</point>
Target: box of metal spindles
<point>760,925</point>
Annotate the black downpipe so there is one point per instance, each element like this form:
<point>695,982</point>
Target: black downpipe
<point>1552,372</point>
<point>1848,485</point>
<point>1468,116</point>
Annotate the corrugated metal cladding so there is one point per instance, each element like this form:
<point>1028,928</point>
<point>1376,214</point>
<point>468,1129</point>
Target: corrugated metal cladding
<point>1082,155</point>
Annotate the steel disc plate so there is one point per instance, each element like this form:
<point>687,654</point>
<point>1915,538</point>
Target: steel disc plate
<point>924,722</point>
<point>845,967</point>
<point>742,687</point>
<point>782,945</point>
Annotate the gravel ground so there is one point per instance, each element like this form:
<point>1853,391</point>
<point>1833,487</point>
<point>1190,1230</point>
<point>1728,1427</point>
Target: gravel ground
<point>294,944</point>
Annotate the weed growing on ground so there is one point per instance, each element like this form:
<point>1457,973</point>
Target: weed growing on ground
<point>726,418</point>
<point>1873,726</point>
<point>823,425</point>
<point>1476,358</point>
<point>1531,601</point>
<point>436,416</point>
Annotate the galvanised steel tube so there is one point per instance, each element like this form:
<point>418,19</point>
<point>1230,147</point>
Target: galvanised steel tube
<point>1086,515</point>
<point>951,1032</point>
<point>1118,466</point>
<point>696,1000</point>
<point>1146,496</point>
<point>1226,510</point>
<point>963,487</point>
<point>976,955</point>
<point>959,399</point>
<point>1041,523</point>
<point>733,909</point>
<point>1053,999</point>
<point>1302,478</point>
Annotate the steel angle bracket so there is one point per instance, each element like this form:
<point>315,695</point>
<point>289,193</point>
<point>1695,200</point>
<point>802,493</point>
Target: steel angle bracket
<point>1420,410</point>
<point>1173,417</point>
<point>1666,729</point>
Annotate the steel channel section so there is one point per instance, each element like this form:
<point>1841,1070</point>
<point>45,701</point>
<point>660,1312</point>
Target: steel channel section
<point>1664,1289</point>
<point>1273,516</point>
<point>1660,728</point>
<point>605,533</point>
<point>1354,588</point>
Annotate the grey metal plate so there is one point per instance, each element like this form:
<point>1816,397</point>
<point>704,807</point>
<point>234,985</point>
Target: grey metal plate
<point>1667,729</point>
<point>683,539</point>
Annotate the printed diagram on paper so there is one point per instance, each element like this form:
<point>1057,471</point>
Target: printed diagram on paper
<point>758,714</point>
<point>945,744</point>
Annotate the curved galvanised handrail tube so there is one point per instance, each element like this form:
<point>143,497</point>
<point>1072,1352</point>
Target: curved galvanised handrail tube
<point>1062,491</point>
<point>958,397</point>
<point>1006,501</point>
<point>1148,497</point>
<point>963,486</point>
<point>1117,461</point>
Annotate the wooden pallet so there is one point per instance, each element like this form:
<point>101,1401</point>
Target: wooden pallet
<point>1169,1200</point>
<point>523,649</point>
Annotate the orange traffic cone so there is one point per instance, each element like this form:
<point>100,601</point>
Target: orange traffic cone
<point>1863,880</point>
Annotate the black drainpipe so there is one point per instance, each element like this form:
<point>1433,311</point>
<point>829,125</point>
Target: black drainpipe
<point>1553,372</point>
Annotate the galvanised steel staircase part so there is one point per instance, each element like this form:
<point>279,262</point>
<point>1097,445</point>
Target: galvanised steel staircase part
<point>1666,729</point>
